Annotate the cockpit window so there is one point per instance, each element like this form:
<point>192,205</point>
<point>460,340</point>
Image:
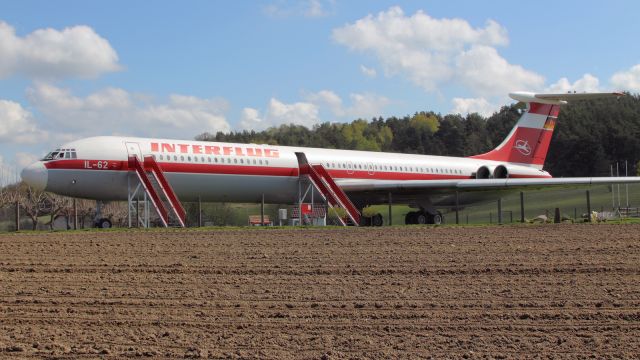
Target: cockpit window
<point>61,154</point>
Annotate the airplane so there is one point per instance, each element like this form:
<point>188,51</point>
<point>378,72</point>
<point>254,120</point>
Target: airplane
<point>101,168</point>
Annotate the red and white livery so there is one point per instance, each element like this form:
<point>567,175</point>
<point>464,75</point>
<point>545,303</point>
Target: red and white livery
<point>99,168</point>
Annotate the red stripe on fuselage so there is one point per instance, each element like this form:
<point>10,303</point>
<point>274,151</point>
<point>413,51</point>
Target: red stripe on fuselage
<point>234,169</point>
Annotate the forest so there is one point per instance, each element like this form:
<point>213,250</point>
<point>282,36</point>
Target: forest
<point>589,136</point>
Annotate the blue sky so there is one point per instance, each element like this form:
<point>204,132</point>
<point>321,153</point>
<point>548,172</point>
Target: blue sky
<point>71,69</point>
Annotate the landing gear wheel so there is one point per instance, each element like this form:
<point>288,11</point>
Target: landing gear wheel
<point>437,219</point>
<point>410,218</point>
<point>377,220</point>
<point>103,223</point>
<point>422,218</point>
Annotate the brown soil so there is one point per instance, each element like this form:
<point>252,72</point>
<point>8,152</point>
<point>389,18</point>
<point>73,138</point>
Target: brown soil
<point>550,291</point>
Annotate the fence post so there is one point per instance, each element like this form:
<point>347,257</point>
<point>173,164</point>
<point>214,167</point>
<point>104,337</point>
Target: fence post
<point>262,211</point>
<point>199,212</point>
<point>390,210</point>
<point>75,214</point>
<point>588,206</point>
<point>17,215</point>
<point>500,211</point>
<point>521,207</point>
<point>457,206</point>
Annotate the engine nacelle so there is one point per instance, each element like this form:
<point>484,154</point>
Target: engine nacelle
<point>500,172</point>
<point>492,172</point>
<point>484,172</point>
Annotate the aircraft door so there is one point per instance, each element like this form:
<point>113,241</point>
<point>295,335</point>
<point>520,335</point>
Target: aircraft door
<point>370,169</point>
<point>133,148</point>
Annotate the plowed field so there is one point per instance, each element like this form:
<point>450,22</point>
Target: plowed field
<point>550,291</point>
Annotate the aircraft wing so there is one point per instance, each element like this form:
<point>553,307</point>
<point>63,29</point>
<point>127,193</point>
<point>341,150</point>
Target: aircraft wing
<point>356,185</point>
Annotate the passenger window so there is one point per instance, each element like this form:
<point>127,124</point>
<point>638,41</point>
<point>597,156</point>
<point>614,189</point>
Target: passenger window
<point>235,161</point>
<point>241,161</point>
<point>260,162</point>
<point>181,157</point>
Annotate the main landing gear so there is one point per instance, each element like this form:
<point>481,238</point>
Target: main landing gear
<point>423,217</point>
<point>375,220</point>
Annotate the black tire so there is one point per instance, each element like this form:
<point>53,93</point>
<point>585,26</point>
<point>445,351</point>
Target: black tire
<point>377,220</point>
<point>437,219</point>
<point>410,218</point>
<point>104,224</point>
<point>422,218</point>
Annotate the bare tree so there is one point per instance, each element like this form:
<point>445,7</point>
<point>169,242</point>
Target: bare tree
<point>86,210</point>
<point>34,202</point>
<point>59,205</point>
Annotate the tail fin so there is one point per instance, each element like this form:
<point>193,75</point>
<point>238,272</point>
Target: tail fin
<point>528,142</point>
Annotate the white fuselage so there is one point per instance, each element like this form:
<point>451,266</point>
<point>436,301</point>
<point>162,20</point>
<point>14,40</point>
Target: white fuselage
<point>97,168</point>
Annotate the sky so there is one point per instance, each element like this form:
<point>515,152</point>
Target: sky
<point>175,69</point>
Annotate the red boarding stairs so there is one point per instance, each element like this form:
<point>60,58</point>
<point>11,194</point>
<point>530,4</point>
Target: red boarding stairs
<point>158,188</point>
<point>324,183</point>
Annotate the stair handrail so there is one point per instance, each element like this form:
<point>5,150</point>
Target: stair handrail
<point>148,187</point>
<point>176,205</point>
<point>339,195</point>
<point>349,206</point>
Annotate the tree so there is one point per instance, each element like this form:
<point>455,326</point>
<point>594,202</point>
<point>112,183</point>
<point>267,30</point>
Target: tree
<point>33,202</point>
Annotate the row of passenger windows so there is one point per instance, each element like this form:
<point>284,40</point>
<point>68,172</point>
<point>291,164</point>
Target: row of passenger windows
<point>332,165</point>
<point>375,167</point>
<point>210,159</point>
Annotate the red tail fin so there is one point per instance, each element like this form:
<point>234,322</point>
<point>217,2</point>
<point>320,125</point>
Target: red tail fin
<point>528,142</point>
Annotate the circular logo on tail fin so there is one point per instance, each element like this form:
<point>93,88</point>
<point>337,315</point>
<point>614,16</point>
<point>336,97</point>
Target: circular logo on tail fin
<point>523,147</point>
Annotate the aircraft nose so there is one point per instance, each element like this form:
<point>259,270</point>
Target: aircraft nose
<point>35,175</point>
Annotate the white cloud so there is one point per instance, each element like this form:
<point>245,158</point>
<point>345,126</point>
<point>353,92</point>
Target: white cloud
<point>368,72</point>
<point>308,8</point>
<point>473,105</point>
<point>48,53</point>
<point>587,83</point>
<point>362,105</point>
<point>628,80</point>
<point>18,125</point>
<point>483,70</point>
<point>116,111</point>
<point>279,113</point>
<point>250,120</point>
<point>431,52</point>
